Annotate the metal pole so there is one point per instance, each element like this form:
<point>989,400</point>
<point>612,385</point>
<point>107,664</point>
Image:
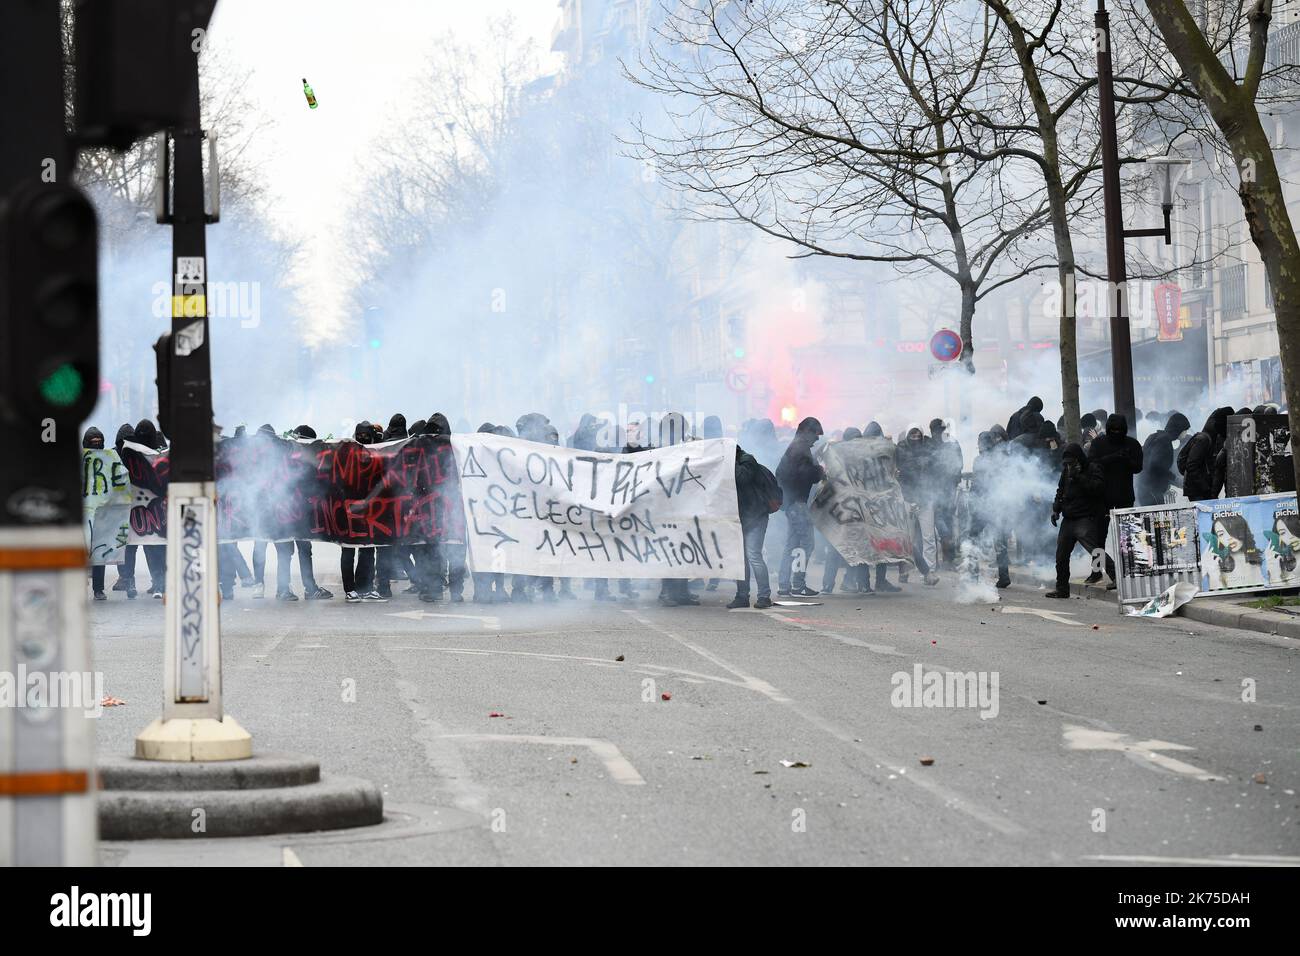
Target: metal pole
<point>194,725</point>
<point>1121,350</point>
<point>47,799</point>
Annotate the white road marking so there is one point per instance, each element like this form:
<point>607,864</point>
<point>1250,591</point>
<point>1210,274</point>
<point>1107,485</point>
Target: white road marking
<point>273,642</point>
<point>489,621</point>
<point>657,670</point>
<point>842,638</point>
<point>1086,738</point>
<point>1039,612</point>
<point>620,770</point>
<point>310,647</point>
<point>1230,860</point>
<point>950,799</point>
<point>450,768</point>
<point>290,858</point>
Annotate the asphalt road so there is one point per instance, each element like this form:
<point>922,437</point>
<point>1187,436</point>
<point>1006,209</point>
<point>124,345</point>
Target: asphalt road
<point>1109,740</point>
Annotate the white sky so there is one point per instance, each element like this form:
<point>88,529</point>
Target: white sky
<point>360,57</point>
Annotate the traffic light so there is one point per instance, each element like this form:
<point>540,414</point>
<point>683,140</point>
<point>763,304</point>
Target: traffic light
<point>49,309</point>
<point>134,66</point>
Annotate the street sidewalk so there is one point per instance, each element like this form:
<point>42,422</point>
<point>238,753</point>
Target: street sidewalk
<point>1218,611</point>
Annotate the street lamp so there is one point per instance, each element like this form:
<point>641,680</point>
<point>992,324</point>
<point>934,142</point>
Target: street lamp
<point>1121,353</point>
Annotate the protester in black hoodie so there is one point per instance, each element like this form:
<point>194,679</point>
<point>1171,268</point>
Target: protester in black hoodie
<point>1196,459</point>
<point>311,590</point>
<point>357,565</point>
<point>797,473</point>
<point>1158,472</point>
<point>155,555</point>
<point>1120,458</point>
<point>1080,500</point>
<point>1016,425</point>
<point>753,486</point>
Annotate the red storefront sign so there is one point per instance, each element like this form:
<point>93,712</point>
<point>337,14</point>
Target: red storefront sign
<point>1169,300</point>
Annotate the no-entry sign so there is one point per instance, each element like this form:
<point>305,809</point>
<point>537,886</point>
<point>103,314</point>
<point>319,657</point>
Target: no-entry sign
<point>945,345</point>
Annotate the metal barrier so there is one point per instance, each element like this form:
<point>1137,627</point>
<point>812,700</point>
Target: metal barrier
<point>1156,547</point>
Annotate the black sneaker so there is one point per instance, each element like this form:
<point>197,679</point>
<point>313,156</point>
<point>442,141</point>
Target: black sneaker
<point>886,587</point>
<point>1003,583</point>
<point>804,592</point>
<point>782,592</point>
<point>1093,578</point>
<point>101,596</point>
<point>286,596</point>
<point>1058,595</point>
<point>763,603</point>
<point>320,594</point>
<point>738,602</point>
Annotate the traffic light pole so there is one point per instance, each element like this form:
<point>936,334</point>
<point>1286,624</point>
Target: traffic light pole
<point>193,726</point>
<point>48,384</point>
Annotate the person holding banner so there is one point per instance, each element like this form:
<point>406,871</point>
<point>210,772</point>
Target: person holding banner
<point>94,438</point>
<point>155,555</point>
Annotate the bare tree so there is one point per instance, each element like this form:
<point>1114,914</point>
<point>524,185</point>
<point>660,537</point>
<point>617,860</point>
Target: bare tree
<point>1230,97</point>
<point>846,130</point>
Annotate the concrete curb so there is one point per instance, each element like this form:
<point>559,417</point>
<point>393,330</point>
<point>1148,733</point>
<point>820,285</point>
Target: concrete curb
<point>332,803</point>
<point>259,772</point>
<point>1212,611</point>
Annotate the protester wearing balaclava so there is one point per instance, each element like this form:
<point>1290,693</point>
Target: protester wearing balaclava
<point>1015,425</point>
<point>396,428</point>
<point>797,473</point>
<point>1120,458</point>
<point>1158,472</point>
<point>1079,504</point>
<point>1196,459</point>
<point>711,427</point>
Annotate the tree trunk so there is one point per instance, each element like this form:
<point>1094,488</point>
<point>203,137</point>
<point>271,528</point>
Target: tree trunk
<point>967,322</point>
<point>1056,196</point>
<point>1262,200</point>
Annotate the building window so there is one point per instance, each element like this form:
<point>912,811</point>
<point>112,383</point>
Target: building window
<point>1233,285</point>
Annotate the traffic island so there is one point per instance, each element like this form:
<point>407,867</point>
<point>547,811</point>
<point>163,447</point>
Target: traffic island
<point>257,796</point>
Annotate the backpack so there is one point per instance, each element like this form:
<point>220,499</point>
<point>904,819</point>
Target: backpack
<point>768,487</point>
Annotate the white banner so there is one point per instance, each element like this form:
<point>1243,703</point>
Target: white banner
<point>548,511</point>
<point>106,504</point>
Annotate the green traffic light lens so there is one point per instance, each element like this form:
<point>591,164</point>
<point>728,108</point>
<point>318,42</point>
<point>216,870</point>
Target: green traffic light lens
<point>63,386</point>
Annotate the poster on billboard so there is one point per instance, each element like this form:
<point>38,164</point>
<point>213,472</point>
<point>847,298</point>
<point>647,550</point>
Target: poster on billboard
<point>1250,543</point>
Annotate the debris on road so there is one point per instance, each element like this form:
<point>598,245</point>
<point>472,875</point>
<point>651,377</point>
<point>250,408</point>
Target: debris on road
<point>1259,726</point>
<point>794,763</point>
<point>110,701</point>
<point>665,696</point>
<point>1260,778</point>
<point>927,761</point>
<point>619,658</point>
<point>496,713</point>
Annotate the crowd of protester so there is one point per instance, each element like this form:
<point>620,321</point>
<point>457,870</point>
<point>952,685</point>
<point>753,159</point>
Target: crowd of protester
<point>1025,482</point>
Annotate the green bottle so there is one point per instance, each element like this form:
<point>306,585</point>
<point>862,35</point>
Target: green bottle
<point>311,97</point>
